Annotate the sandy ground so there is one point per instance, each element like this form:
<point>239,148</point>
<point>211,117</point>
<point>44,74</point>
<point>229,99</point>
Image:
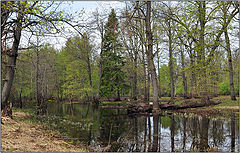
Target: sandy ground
<point>20,135</point>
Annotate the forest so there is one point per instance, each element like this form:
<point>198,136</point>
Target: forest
<point>140,57</point>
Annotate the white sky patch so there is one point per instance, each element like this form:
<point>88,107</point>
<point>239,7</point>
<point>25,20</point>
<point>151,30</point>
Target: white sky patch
<point>88,7</point>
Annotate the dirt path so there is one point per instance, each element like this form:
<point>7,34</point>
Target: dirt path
<point>21,135</point>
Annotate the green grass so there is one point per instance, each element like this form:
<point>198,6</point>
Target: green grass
<point>226,101</point>
<point>122,103</point>
<point>165,98</point>
<point>179,102</point>
<point>226,104</point>
<point>231,103</point>
<point>26,110</point>
<point>109,102</point>
<point>224,98</point>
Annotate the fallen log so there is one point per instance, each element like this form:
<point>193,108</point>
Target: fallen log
<point>127,115</point>
<point>114,107</point>
<point>184,106</point>
<point>140,108</point>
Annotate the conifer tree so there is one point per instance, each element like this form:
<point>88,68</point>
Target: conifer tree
<point>112,61</point>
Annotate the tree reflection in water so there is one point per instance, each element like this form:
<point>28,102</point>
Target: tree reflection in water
<point>155,133</point>
<point>145,133</point>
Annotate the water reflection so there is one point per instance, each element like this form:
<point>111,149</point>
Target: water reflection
<point>114,130</point>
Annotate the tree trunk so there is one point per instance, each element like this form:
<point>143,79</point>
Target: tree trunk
<point>37,77</point>
<point>148,83</point>
<point>145,78</point>
<point>44,84</point>
<point>145,83</point>
<point>99,80</point>
<point>184,134</point>
<point>88,65</point>
<point>201,48</point>
<point>193,80</point>
<point>183,74</point>
<point>4,14</point>
<point>150,56</point>
<point>170,49</point>
<point>204,134</point>
<point>193,75</point>
<point>171,62</point>
<point>230,66</point>
<point>155,132</point>
<point>118,96</point>
<point>233,132</point>
<point>11,64</point>
<point>90,77</point>
<point>20,94</point>
<point>148,76</point>
<point>32,83</point>
<point>71,109</point>
<point>136,134</point>
<point>20,99</point>
<point>175,85</point>
<point>159,82</point>
<point>57,92</point>
<point>100,65</point>
<point>143,60</point>
<point>145,135</point>
<point>57,87</point>
<point>134,93</point>
<point>172,128</point>
<point>149,134</point>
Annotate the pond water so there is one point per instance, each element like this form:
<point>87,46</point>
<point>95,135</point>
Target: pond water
<point>116,131</point>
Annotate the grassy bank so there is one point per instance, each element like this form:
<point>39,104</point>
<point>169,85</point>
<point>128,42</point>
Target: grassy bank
<point>23,134</point>
<point>227,108</point>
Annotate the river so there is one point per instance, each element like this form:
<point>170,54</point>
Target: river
<point>116,131</point>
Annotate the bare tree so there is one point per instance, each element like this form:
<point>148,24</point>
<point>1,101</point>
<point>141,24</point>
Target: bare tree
<point>150,56</point>
<point>21,16</point>
<point>229,53</point>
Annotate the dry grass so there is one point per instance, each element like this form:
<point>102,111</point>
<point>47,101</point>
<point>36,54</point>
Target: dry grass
<point>20,135</point>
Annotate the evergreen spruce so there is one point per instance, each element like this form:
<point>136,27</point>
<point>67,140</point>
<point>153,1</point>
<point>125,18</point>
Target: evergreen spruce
<point>113,75</point>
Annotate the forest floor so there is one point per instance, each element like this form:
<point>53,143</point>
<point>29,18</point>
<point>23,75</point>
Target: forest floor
<point>226,108</point>
<point>21,134</point>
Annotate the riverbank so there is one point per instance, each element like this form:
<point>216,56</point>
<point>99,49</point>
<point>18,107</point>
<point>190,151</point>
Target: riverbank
<point>226,108</point>
<point>21,134</point>
<point>221,106</point>
<point>24,134</point>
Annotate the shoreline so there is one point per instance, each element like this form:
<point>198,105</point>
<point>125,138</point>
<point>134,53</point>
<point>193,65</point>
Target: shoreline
<point>24,134</point>
<point>21,134</point>
<point>212,111</point>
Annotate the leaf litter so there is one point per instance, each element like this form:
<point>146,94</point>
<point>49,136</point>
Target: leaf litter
<point>21,135</point>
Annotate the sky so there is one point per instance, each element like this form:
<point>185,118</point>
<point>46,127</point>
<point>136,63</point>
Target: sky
<point>72,7</point>
<point>89,7</point>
